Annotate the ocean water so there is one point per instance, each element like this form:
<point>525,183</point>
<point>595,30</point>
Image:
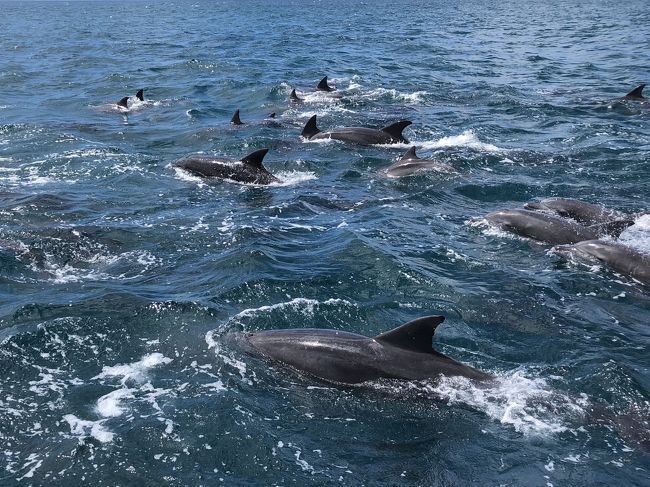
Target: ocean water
<point>121,277</point>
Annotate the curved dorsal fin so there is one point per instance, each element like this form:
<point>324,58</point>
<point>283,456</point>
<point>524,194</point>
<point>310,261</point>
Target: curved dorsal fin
<point>410,154</point>
<point>235,120</point>
<point>323,86</point>
<point>636,92</point>
<point>124,102</point>
<point>613,228</point>
<point>272,115</point>
<point>395,130</point>
<point>415,335</point>
<point>254,159</point>
<point>140,95</point>
<point>293,96</point>
<point>310,128</point>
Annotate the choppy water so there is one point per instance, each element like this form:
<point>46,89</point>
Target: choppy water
<point>120,276</point>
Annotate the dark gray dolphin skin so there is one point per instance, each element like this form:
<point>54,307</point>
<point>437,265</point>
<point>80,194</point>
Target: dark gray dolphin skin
<point>247,170</point>
<point>124,102</point>
<point>619,257</point>
<point>542,226</point>
<point>294,97</point>
<point>323,86</point>
<point>636,93</point>
<point>410,164</point>
<point>580,211</point>
<point>337,356</point>
<point>359,135</point>
<point>235,120</point>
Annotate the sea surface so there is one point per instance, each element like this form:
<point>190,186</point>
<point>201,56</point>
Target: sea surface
<point>121,277</point>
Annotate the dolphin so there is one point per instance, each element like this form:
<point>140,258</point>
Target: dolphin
<point>294,97</point>
<point>636,94</point>
<point>550,228</point>
<point>342,357</point>
<point>410,163</point>
<point>247,170</point>
<point>124,102</point>
<point>359,135</point>
<point>619,257</point>
<point>235,120</point>
<point>323,86</point>
<point>580,211</point>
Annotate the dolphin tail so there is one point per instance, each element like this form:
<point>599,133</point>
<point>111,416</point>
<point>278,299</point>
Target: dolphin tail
<point>140,95</point>
<point>124,102</point>
<point>636,92</point>
<point>410,154</point>
<point>254,159</point>
<point>235,120</point>
<point>613,228</point>
<point>310,128</point>
<point>395,130</point>
<point>293,96</point>
<point>323,86</point>
<point>415,335</point>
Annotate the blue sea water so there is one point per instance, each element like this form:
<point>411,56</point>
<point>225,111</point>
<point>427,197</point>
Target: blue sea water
<point>122,277</point>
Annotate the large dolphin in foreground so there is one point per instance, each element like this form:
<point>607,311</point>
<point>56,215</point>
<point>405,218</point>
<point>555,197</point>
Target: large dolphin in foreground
<point>359,135</point>
<point>550,228</point>
<point>619,257</point>
<point>580,211</point>
<point>410,164</point>
<point>337,356</point>
<point>247,170</point>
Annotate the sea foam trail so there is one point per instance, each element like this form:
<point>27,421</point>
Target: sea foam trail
<point>638,235</point>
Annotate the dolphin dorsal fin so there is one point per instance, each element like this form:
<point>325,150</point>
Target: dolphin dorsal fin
<point>272,115</point>
<point>410,154</point>
<point>395,130</point>
<point>310,128</point>
<point>293,96</point>
<point>254,159</point>
<point>323,86</point>
<point>636,92</point>
<point>235,120</point>
<point>415,335</point>
<point>140,95</point>
<point>124,102</point>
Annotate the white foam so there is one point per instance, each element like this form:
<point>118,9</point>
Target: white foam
<point>83,428</point>
<point>109,405</point>
<point>417,97</point>
<point>290,178</point>
<point>304,305</point>
<point>529,405</point>
<point>466,139</point>
<point>136,371</point>
<point>638,235</point>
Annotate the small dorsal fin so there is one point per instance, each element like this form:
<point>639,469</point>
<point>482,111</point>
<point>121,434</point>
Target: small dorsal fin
<point>410,154</point>
<point>124,102</point>
<point>293,96</point>
<point>415,335</point>
<point>272,115</point>
<point>395,130</point>
<point>235,120</point>
<point>323,86</point>
<point>310,128</point>
<point>254,159</point>
<point>636,93</point>
<point>140,95</point>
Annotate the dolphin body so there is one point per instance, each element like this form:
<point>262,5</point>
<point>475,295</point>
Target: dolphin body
<point>580,211</point>
<point>337,356</point>
<point>619,257</point>
<point>550,228</point>
<point>124,102</point>
<point>410,164</point>
<point>247,170</point>
<point>359,135</point>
